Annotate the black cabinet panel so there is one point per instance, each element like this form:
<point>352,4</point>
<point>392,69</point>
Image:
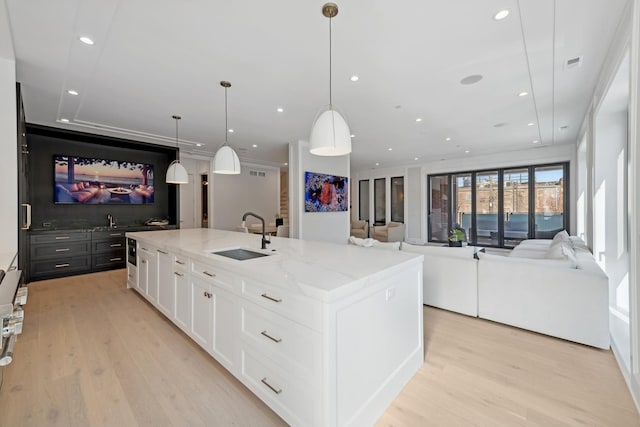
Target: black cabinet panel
<point>108,245</point>
<point>58,267</point>
<point>67,248</point>
<point>107,261</point>
<point>62,236</point>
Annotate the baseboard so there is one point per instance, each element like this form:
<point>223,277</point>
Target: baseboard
<point>632,383</point>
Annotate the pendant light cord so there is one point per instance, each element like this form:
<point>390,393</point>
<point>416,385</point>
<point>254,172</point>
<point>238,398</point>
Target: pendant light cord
<point>226,125</point>
<point>330,100</point>
<point>177,147</point>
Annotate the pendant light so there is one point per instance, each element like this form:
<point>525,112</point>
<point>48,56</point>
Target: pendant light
<point>177,174</point>
<point>226,160</point>
<point>330,135</point>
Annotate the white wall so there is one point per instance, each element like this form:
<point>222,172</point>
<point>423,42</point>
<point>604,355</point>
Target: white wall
<point>8,140</point>
<point>320,226</point>
<point>233,195</point>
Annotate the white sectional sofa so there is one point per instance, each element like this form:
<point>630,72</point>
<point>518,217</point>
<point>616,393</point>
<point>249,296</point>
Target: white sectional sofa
<point>450,277</point>
<point>544,286</point>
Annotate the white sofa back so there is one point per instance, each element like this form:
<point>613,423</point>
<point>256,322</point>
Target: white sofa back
<point>450,277</point>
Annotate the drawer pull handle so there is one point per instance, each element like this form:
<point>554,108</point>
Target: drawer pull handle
<point>178,274</point>
<point>208,294</point>
<point>209,274</point>
<point>62,249</point>
<point>144,261</point>
<point>266,334</point>
<point>115,245</point>
<point>115,234</point>
<point>143,248</point>
<point>179,262</point>
<point>163,252</point>
<point>115,259</point>
<point>62,237</point>
<point>62,265</point>
<point>273,389</point>
<point>271,298</point>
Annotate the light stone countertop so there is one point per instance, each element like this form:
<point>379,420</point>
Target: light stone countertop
<point>323,271</point>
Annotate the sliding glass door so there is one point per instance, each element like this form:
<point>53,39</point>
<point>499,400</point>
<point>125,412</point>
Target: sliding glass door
<point>499,207</point>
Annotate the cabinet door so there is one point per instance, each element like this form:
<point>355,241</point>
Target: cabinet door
<point>224,328</point>
<point>201,312</point>
<point>183,300</point>
<point>152,278</point>
<point>166,287</point>
<point>143,272</point>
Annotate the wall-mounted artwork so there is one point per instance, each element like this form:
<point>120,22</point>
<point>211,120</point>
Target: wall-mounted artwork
<point>325,193</point>
<point>88,180</point>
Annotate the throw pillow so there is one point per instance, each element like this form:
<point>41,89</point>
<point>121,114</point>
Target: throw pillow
<point>561,236</point>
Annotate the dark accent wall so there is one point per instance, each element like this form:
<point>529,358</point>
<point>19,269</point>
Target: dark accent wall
<point>45,142</point>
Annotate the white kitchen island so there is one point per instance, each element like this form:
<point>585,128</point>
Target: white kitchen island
<point>324,334</point>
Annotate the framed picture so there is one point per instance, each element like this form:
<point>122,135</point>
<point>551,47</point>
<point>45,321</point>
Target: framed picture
<point>325,193</point>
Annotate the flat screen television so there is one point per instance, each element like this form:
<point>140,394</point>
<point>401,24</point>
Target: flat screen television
<point>90,180</point>
<point>325,193</point>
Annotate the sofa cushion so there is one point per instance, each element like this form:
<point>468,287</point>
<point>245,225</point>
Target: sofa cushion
<point>561,236</point>
<point>562,251</point>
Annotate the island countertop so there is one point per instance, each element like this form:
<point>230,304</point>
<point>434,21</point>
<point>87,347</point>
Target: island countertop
<point>323,271</point>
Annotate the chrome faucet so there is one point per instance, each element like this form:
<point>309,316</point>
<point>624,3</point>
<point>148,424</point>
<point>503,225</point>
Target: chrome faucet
<point>265,242</point>
<point>112,221</point>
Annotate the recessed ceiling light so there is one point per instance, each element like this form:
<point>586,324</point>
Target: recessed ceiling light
<point>231,130</point>
<point>354,78</point>
<point>467,151</point>
<point>418,119</point>
<point>64,120</point>
<point>501,14</point>
<point>86,40</point>
<point>530,124</point>
<point>447,139</point>
<point>353,135</point>
<point>72,92</point>
<point>415,158</point>
<point>535,141</point>
<point>377,164</point>
<point>280,110</point>
<point>390,149</point>
<point>255,145</point>
<point>286,164</point>
<point>523,94</point>
<point>469,80</point>
<point>198,145</point>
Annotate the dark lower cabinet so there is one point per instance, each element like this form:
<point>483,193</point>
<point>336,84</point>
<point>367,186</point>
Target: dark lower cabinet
<point>68,252</point>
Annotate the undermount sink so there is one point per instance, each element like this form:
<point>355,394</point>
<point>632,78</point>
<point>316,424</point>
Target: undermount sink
<point>239,254</point>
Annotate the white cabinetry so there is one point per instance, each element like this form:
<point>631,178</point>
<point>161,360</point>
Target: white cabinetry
<point>201,312</point>
<point>166,288</point>
<point>148,272</point>
<point>182,289</point>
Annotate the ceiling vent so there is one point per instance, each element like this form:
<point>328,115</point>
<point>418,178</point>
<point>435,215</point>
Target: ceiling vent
<point>257,173</point>
<point>574,62</point>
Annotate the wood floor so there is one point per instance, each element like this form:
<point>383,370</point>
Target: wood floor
<point>94,353</point>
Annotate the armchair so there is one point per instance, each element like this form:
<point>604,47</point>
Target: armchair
<point>392,232</point>
<point>360,229</point>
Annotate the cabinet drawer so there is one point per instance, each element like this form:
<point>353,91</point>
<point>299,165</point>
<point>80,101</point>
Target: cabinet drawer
<point>108,245</point>
<point>295,307</point>
<point>217,276</point>
<point>113,259</point>
<point>59,249</point>
<point>60,237</point>
<point>105,235</point>
<point>61,266</point>
<point>286,343</point>
<point>290,399</point>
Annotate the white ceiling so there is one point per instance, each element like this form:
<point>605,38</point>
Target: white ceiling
<point>156,58</point>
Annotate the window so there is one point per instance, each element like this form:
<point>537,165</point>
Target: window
<point>363,194</point>
<point>379,201</point>
<point>439,208</point>
<point>499,207</point>
<point>397,199</point>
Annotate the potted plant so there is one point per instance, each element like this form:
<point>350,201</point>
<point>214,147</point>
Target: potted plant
<point>456,237</point>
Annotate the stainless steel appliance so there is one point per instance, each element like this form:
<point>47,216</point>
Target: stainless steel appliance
<point>131,251</point>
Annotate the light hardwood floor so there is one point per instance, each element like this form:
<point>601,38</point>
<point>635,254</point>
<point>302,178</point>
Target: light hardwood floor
<point>94,353</point>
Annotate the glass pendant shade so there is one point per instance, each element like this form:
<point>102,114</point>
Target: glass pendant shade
<point>330,135</point>
<point>226,161</point>
<point>177,174</point>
